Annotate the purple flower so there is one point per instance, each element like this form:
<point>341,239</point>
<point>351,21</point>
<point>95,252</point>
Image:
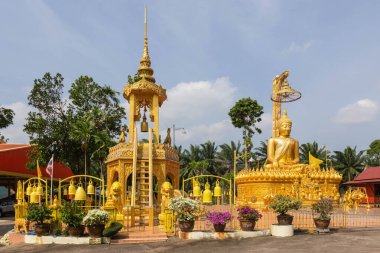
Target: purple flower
<point>219,217</point>
<point>248,213</point>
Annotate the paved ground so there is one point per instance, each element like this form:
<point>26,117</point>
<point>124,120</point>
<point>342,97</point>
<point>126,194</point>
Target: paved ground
<point>6,224</point>
<point>346,241</point>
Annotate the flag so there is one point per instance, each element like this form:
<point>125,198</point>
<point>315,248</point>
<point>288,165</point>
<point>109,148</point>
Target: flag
<point>314,161</point>
<point>49,167</point>
<point>39,174</point>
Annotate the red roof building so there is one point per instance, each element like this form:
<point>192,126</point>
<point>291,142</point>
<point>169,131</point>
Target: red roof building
<point>13,160</point>
<point>370,179</point>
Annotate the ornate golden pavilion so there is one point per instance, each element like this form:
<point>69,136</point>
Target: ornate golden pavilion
<point>143,165</point>
<point>282,172</point>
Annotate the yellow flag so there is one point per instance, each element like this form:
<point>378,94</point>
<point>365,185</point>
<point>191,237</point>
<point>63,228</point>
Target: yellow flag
<point>314,161</point>
<point>39,174</point>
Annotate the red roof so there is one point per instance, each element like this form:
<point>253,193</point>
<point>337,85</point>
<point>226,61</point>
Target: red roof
<point>13,160</point>
<point>369,175</point>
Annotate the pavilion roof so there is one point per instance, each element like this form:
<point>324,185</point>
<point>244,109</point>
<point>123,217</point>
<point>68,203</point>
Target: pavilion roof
<point>368,175</point>
<point>13,160</point>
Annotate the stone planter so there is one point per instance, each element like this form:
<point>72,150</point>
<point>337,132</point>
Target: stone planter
<point>321,224</point>
<point>247,225</point>
<point>186,226</point>
<point>75,231</point>
<point>219,227</point>
<point>285,219</point>
<point>42,229</point>
<point>95,231</point>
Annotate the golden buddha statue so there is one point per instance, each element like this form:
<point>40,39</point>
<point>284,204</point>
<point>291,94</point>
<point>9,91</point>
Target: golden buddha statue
<point>283,151</point>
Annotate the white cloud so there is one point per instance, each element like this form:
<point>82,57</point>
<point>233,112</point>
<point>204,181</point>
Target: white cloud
<point>202,109</point>
<point>295,47</point>
<point>15,132</point>
<point>364,110</point>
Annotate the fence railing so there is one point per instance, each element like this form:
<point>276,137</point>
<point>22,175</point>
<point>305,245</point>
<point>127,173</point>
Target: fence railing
<point>303,218</point>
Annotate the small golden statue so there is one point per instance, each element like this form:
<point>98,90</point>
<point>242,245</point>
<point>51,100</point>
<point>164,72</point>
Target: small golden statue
<point>122,135</point>
<point>168,139</point>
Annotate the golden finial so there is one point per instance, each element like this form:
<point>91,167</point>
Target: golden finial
<point>145,71</point>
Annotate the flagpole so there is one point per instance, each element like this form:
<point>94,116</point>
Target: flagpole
<point>51,182</point>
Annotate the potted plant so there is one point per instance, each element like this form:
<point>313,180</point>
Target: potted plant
<point>219,220</point>
<point>248,217</point>
<point>72,215</point>
<point>95,221</point>
<point>39,214</point>
<point>186,210</point>
<point>323,208</point>
<point>282,204</point>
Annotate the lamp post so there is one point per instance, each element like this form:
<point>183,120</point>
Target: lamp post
<point>175,129</point>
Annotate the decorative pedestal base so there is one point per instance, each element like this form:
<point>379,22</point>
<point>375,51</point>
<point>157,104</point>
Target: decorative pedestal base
<point>282,230</point>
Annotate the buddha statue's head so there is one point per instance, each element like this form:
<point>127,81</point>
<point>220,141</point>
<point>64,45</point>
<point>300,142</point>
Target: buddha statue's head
<point>284,125</point>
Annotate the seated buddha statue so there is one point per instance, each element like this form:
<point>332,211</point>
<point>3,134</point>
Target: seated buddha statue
<point>283,151</point>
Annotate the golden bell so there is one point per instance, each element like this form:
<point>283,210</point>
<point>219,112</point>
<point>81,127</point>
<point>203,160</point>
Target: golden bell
<point>90,188</point>
<point>40,190</point>
<point>65,191</point>
<point>33,197</point>
<point>29,189</point>
<point>144,125</point>
<point>196,189</point>
<point>207,194</point>
<point>217,189</point>
<point>80,194</point>
<point>72,188</point>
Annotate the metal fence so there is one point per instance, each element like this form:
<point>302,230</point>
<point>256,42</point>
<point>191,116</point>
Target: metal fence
<point>303,218</point>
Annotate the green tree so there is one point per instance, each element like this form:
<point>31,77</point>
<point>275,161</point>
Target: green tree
<point>261,153</point>
<point>373,153</point>
<point>64,127</point>
<point>6,119</point>
<point>245,114</point>
<point>208,154</point>
<point>349,162</point>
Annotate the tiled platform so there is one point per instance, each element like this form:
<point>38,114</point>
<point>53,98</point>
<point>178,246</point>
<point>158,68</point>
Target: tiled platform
<point>199,235</point>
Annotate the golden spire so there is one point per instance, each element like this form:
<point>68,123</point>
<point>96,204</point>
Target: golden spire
<point>145,71</point>
<point>284,117</point>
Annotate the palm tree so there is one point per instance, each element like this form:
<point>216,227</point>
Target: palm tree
<point>225,157</point>
<point>103,142</point>
<point>314,150</point>
<point>349,162</point>
<point>261,153</point>
<point>208,154</point>
<point>82,131</point>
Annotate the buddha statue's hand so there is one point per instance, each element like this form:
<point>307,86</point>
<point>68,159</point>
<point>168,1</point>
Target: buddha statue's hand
<point>275,164</point>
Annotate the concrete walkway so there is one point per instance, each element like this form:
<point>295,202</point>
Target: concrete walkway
<point>347,241</point>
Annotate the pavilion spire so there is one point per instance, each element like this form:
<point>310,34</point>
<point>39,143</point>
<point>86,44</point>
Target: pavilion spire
<point>145,71</point>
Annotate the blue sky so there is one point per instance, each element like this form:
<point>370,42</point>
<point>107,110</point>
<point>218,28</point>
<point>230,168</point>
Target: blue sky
<point>207,54</point>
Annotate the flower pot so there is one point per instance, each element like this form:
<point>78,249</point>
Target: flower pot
<point>75,231</point>
<point>321,224</point>
<point>247,225</point>
<point>42,229</point>
<point>186,226</point>
<point>95,230</point>
<point>285,219</point>
<point>219,227</point>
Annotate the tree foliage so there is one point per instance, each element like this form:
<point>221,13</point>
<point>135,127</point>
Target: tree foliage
<point>6,119</point>
<point>87,121</point>
<point>373,153</point>
<point>349,162</point>
<point>314,150</point>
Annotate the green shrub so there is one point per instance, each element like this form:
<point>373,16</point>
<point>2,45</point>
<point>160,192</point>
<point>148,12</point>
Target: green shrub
<point>282,204</point>
<point>72,214</point>
<point>323,207</point>
<point>113,229</point>
<point>38,213</point>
